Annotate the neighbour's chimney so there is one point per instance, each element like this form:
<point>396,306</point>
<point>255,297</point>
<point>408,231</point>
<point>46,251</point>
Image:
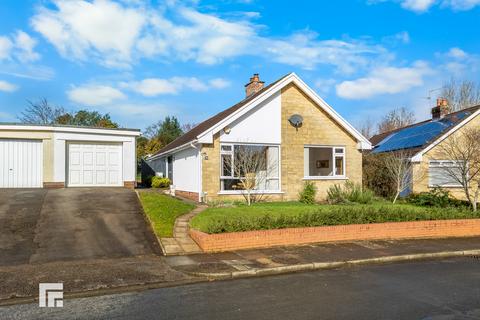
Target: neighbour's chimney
<point>254,85</point>
<point>441,109</point>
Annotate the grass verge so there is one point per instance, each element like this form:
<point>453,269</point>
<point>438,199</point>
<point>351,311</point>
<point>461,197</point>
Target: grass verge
<point>162,210</point>
<point>264,216</point>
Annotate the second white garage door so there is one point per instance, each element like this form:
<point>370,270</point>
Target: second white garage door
<point>94,165</point>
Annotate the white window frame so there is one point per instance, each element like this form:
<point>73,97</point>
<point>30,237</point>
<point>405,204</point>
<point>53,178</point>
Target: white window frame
<point>334,168</point>
<point>441,163</point>
<point>222,152</point>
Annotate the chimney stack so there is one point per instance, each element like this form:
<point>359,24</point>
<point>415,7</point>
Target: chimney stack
<point>254,85</point>
<point>441,109</point>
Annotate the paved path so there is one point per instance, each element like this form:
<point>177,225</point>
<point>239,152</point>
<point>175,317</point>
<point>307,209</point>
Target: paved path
<point>238,263</point>
<point>435,290</point>
<point>181,243</point>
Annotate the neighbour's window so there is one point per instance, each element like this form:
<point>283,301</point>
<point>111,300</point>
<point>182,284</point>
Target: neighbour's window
<point>324,162</point>
<point>238,161</point>
<point>444,173</point>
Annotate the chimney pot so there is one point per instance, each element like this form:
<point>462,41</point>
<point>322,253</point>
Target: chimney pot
<point>442,109</point>
<point>254,85</point>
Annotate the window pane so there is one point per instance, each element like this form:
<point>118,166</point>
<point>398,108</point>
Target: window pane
<point>320,162</point>
<point>440,176</point>
<point>272,162</point>
<point>338,150</point>
<point>230,184</point>
<point>226,148</point>
<point>339,166</point>
<point>226,165</point>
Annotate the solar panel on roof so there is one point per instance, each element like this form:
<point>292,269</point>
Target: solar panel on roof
<point>419,135</point>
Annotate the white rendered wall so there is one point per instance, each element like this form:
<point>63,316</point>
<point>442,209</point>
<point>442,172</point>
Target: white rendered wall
<point>260,125</point>
<point>186,170</point>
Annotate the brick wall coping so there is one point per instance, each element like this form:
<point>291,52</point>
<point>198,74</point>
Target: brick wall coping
<point>353,232</point>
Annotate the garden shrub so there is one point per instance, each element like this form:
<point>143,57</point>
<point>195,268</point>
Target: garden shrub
<point>437,197</point>
<point>349,193</point>
<point>329,216</point>
<point>307,195</point>
<point>159,182</point>
<point>376,176</point>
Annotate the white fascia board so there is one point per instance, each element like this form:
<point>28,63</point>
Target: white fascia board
<point>419,156</point>
<point>363,142</point>
<point>115,132</point>
<point>174,150</point>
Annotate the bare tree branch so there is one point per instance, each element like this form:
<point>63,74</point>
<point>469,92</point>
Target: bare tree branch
<point>41,112</point>
<point>395,119</point>
<point>461,94</point>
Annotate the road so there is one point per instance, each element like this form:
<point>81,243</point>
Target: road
<point>436,290</point>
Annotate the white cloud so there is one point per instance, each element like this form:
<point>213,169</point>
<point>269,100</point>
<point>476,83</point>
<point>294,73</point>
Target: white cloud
<point>417,5</point>
<point>7,86</point>
<point>219,83</point>
<point>118,34</point>
<point>384,80</point>
<point>155,86</point>
<point>325,85</point>
<point>95,95</point>
<point>421,6</point>
<point>5,47</point>
<point>79,29</point>
<point>457,53</point>
<point>26,47</point>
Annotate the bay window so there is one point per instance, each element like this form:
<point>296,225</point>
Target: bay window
<point>324,162</point>
<point>239,161</point>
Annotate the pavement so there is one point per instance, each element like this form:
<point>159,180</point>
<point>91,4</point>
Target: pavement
<point>434,290</point>
<point>260,262</point>
<point>40,225</point>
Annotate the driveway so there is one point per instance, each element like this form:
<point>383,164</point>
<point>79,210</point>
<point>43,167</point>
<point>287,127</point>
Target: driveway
<point>39,225</point>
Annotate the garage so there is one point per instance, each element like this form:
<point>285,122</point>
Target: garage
<point>54,156</point>
<point>91,164</point>
<point>21,163</point>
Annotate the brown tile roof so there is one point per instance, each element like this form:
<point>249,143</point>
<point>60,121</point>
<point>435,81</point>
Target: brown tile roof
<point>376,139</point>
<point>210,122</point>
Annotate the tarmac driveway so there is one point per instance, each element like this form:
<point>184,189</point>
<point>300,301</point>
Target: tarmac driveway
<point>38,225</point>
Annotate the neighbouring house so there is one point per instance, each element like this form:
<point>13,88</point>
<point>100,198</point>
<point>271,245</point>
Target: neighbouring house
<point>299,135</point>
<point>52,156</point>
<point>422,144</point>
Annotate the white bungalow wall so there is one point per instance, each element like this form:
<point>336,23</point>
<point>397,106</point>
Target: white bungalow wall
<point>186,174</point>
<point>260,125</point>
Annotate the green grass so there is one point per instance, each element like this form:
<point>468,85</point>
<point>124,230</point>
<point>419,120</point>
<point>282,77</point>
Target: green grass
<point>263,216</point>
<point>162,210</point>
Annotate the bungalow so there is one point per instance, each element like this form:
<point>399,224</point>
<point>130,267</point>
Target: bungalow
<point>422,142</point>
<point>298,135</point>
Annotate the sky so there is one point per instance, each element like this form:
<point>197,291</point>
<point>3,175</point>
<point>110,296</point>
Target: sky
<point>140,61</point>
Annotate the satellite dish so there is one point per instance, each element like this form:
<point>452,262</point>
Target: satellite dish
<point>296,120</point>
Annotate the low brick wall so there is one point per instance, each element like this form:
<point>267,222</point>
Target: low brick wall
<point>353,232</point>
<point>187,194</point>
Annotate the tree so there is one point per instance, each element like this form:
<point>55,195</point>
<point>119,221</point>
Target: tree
<point>376,177</point>
<point>461,94</point>
<point>400,171</point>
<point>463,150</point>
<point>162,133</point>
<point>367,128</point>
<point>395,119</point>
<point>41,112</point>
<point>87,118</point>
<point>251,167</point>
<point>188,126</point>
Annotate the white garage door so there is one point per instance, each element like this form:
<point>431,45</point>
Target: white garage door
<point>21,163</point>
<point>92,165</point>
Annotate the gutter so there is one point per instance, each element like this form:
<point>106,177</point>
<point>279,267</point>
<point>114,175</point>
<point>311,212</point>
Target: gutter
<point>183,146</point>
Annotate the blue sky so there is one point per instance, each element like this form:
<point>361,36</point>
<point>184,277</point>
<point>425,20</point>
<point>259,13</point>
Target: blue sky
<point>143,60</point>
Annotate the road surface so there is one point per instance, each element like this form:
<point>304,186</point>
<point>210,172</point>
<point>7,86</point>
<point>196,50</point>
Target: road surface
<point>436,290</point>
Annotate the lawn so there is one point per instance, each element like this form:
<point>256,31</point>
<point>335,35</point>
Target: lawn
<point>263,216</point>
<point>162,210</point>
